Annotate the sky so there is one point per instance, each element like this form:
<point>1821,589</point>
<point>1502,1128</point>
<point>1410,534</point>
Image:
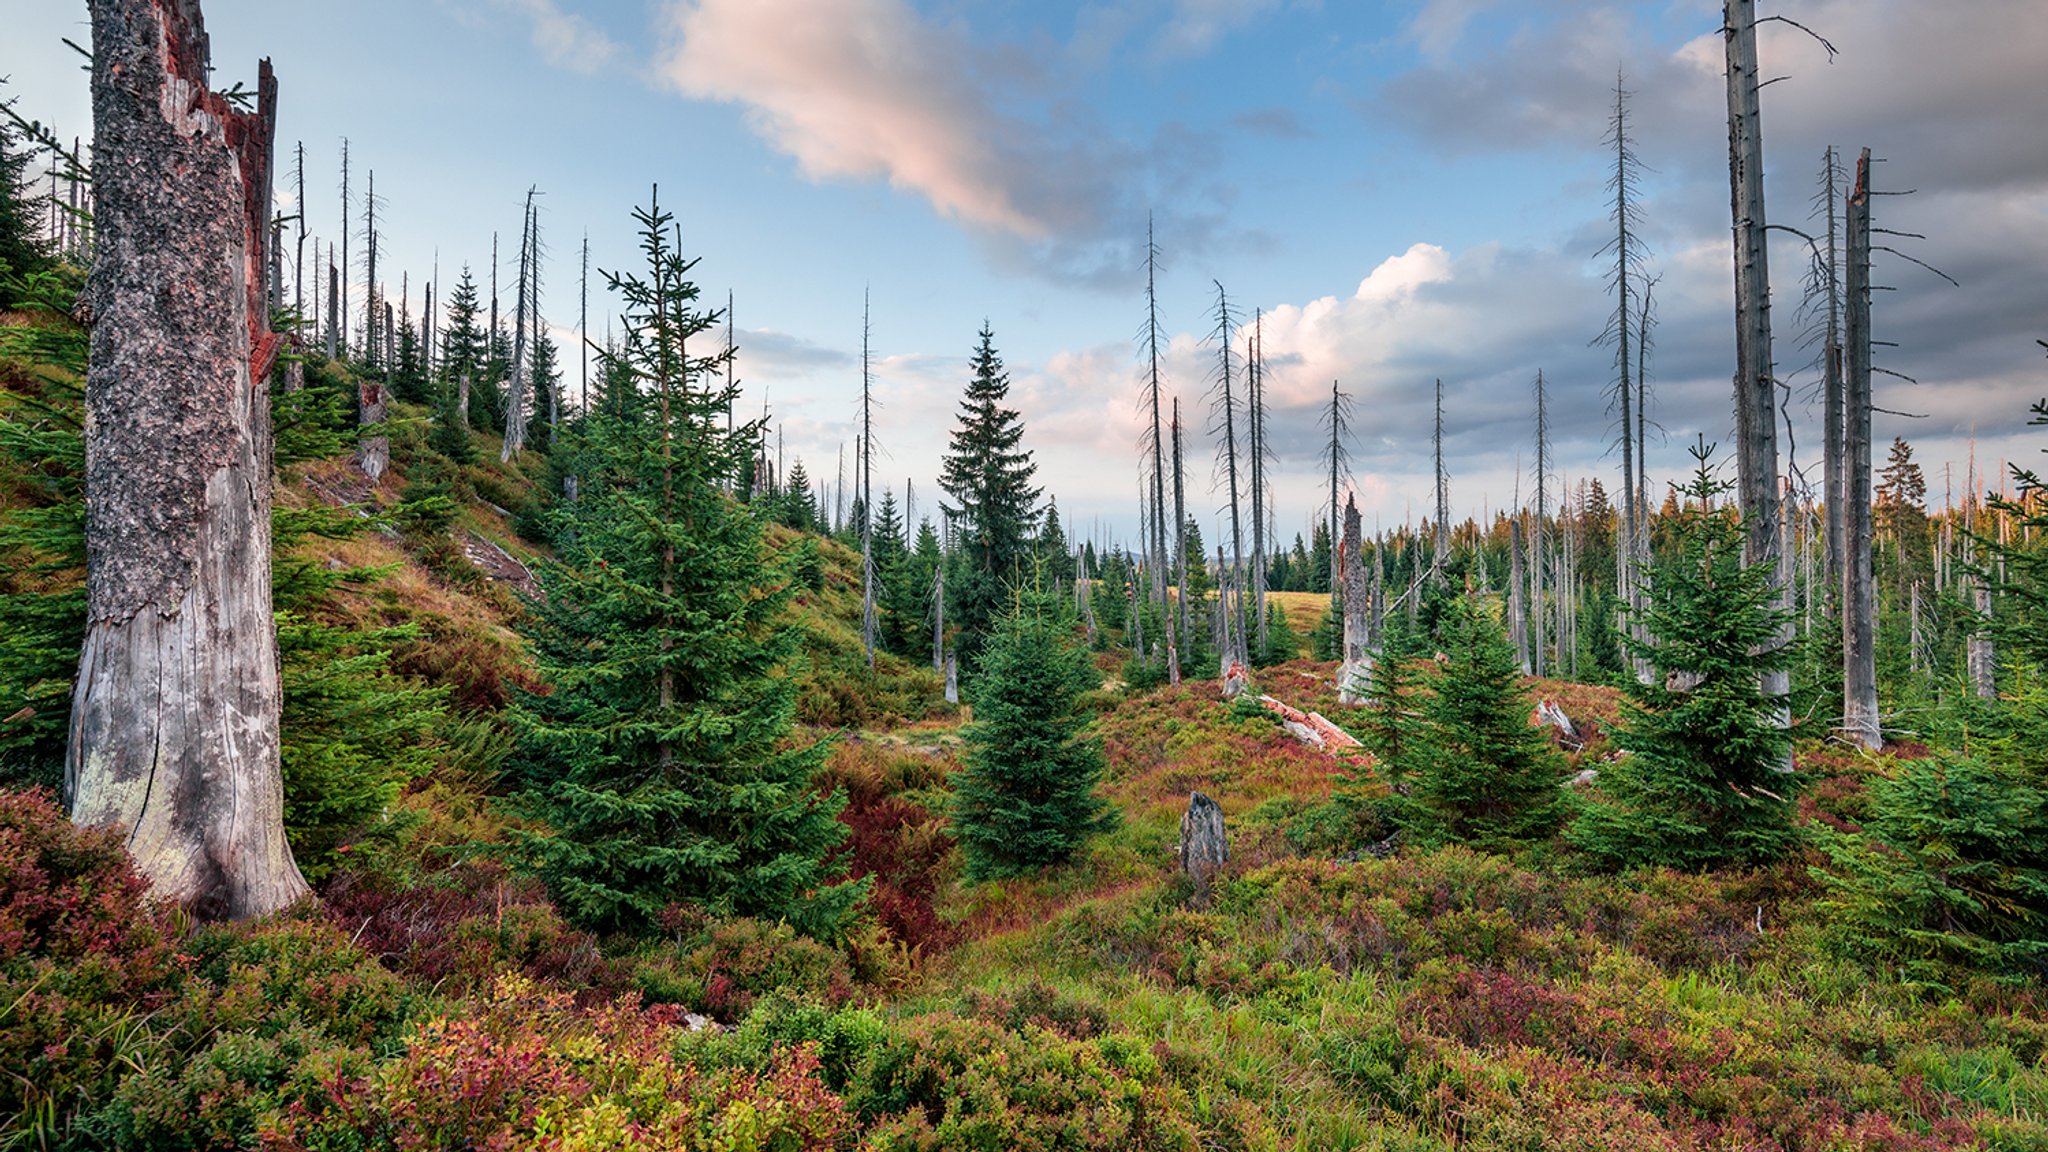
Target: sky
<point>1404,190</point>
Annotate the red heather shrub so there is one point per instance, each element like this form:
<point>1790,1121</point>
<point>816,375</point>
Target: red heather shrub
<point>528,1070</point>
<point>70,895</point>
<point>82,954</point>
<point>895,840</point>
<point>467,925</point>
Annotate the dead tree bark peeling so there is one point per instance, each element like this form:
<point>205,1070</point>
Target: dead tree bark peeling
<point>174,730</point>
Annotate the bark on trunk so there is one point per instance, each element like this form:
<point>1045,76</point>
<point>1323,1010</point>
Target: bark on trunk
<point>1756,387</point>
<point>174,730</point>
<point>373,452</point>
<point>1859,605</point>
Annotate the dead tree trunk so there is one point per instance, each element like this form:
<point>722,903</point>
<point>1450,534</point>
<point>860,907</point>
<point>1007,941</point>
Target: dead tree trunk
<point>868,576</point>
<point>939,618</point>
<point>1835,474</point>
<point>1162,570</point>
<point>1255,389</point>
<point>1356,671</point>
<point>1756,386</point>
<point>1180,539</point>
<point>515,389</point>
<point>1980,656</point>
<point>1443,495</point>
<point>373,452</point>
<point>1204,845</point>
<point>1859,603</point>
<point>174,728</point>
<point>333,306</point>
<point>1537,548</point>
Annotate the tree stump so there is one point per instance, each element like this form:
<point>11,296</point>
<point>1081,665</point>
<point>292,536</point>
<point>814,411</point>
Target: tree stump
<point>1204,844</point>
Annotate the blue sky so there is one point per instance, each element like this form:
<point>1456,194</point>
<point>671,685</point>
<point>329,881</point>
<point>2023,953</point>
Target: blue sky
<point>1409,190</point>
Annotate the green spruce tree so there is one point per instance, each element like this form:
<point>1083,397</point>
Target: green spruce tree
<point>22,251</point>
<point>1027,798</point>
<point>987,474</point>
<point>1701,786</point>
<point>1485,775</point>
<point>659,757</point>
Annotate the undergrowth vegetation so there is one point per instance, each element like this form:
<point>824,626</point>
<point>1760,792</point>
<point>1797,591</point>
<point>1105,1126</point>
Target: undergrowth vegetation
<point>1360,976</point>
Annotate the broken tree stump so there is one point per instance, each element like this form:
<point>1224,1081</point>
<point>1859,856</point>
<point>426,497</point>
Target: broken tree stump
<point>1204,844</point>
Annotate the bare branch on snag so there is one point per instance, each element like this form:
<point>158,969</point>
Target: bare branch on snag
<point>1912,260</point>
<point>1832,52</point>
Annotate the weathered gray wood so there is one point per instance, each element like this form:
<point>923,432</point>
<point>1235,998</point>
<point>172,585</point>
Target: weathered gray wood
<point>868,576</point>
<point>1204,844</point>
<point>1443,493</point>
<point>174,730</point>
<point>1354,676</point>
<point>1756,385</point>
<point>373,450</point>
<point>517,388</point>
<point>1859,602</point>
<point>1538,647</point>
<point>1836,477</point>
<point>1162,569</point>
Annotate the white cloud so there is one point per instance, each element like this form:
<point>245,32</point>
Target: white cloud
<point>855,89</point>
<point>564,39</point>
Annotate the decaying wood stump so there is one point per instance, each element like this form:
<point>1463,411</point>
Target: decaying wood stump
<point>174,728</point>
<point>1204,844</point>
<point>373,453</point>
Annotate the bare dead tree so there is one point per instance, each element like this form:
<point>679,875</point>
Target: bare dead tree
<point>867,464</point>
<point>1337,422</point>
<point>1538,546</point>
<point>1859,607</point>
<point>346,227</point>
<point>175,716</point>
<point>1443,492</point>
<point>516,388</point>
<point>1155,451</point>
<point>1625,333</point>
<point>1255,397</point>
<point>1180,537</point>
<point>372,308</point>
<point>299,253</point>
<point>1223,420</point>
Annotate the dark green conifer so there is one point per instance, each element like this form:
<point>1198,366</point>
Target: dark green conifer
<point>796,507</point>
<point>659,756</point>
<point>1947,869</point>
<point>994,507</point>
<point>1701,786</point>
<point>22,251</point>
<point>1485,775</point>
<point>1026,798</point>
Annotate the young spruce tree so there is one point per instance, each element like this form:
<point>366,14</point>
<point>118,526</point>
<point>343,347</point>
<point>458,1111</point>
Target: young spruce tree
<point>659,754</point>
<point>1700,786</point>
<point>1027,796</point>
<point>1484,775</point>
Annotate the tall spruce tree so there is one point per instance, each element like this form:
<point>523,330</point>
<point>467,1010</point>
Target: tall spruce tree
<point>1026,798</point>
<point>1486,777</point>
<point>1701,785</point>
<point>994,507</point>
<point>22,250</point>
<point>659,755</point>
